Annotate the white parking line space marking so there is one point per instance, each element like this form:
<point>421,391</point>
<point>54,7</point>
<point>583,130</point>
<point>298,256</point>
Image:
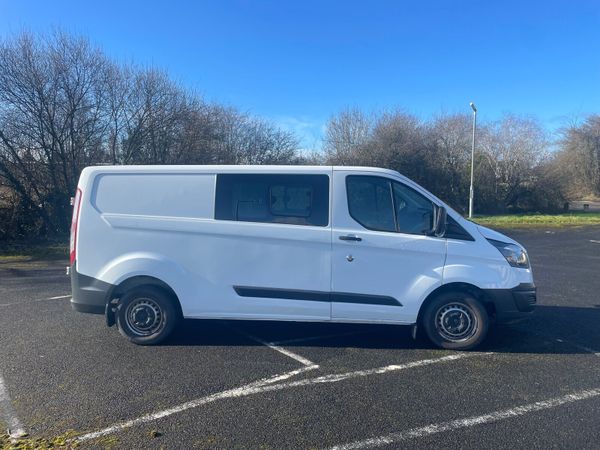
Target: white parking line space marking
<point>452,425</point>
<point>264,386</point>
<point>302,360</point>
<point>316,338</point>
<point>236,392</point>
<point>594,241</point>
<point>59,296</point>
<point>15,428</point>
<point>24,302</point>
<point>287,375</point>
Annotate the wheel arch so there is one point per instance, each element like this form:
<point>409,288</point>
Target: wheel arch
<point>458,287</point>
<point>137,281</point>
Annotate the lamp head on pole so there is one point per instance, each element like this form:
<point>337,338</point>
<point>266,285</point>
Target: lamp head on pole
<point>473,107</point>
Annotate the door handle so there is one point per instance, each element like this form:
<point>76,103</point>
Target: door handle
<point>350,237</point>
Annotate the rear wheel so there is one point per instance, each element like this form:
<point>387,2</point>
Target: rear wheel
<point>146,315</point>
<point>456,320</point>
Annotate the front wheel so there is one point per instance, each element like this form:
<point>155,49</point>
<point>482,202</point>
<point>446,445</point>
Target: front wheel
<point>146,315</point>
<point>456,320</point>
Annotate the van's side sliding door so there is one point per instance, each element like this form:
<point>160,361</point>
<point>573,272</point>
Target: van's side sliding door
<point>272,253</point>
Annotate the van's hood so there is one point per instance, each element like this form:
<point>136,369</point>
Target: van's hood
<point>488,233</point>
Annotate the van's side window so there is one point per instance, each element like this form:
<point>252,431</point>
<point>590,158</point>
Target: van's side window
<point>370,202</point>
<point>384,205</point>
<point>274,198</point>
<point>414,212</point>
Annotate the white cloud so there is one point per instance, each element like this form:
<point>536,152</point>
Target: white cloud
<point>310,132</point>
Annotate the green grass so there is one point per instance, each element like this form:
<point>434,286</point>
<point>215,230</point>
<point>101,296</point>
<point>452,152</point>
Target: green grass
<point>535,220</point>
<point>23,251</point>
<point>64,441</point>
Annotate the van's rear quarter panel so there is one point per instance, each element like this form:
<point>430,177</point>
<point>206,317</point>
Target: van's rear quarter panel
<point>101,246</point>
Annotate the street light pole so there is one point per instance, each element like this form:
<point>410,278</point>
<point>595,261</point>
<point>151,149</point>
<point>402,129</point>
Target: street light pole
<point>472,159</point>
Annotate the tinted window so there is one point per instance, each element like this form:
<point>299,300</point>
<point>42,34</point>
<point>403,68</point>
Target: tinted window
<point>414,213</point>
<point>455,231</point>
<point>370,202</point>
<point>291,199</point>
<point>385,205</point>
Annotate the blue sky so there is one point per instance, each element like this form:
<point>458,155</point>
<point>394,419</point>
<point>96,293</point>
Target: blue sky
<point>297,63</point>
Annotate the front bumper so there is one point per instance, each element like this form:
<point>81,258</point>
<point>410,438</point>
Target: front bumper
<point>512,304</point>
<point>89,295</point>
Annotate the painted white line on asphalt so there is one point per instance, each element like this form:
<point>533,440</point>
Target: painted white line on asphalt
<point>443,427</point>
<point>285,376</point>
<point>59,296</point>
<point>301,359</point>
<point>316,338</point>
<point>24,302</point>
<point>253,388</point>
<point>594,241</point>
<point>15,428</point>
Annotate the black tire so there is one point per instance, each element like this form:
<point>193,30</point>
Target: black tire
<point>146,315</point>
<point>456,321</point>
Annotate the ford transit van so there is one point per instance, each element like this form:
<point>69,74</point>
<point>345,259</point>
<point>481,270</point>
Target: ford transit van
<point>151,245</point>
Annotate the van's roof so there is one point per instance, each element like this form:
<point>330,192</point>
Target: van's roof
<point>93,170</point>
<point>90,172</point>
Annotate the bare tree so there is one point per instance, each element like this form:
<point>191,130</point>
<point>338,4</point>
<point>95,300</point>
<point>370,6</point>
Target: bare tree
<point>451,134</point>
<point>51,119</point>
<point>64,105</point>
<point>512,148</point>
<point>512,162</point>
<point>345,134</point>
<point>580,157</point>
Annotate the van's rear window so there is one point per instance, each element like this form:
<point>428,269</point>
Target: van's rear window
<point>273,198</point>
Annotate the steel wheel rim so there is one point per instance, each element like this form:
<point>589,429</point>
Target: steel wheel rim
<point>456,322</point>
<point>144,317</point>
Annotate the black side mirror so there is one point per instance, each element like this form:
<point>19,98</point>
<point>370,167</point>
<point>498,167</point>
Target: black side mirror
<point>439,221</point>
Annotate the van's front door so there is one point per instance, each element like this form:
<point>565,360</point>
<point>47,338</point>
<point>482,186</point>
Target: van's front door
<point>383,260</point>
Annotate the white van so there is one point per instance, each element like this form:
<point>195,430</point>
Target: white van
<point>151,245</point>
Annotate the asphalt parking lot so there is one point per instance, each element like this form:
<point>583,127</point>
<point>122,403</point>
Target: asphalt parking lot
<point>535,384</point>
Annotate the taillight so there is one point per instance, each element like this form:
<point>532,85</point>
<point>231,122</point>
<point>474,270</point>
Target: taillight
<point>74,220</point>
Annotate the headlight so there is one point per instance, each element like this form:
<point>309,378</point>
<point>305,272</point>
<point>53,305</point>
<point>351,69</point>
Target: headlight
<point>514,254</point>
